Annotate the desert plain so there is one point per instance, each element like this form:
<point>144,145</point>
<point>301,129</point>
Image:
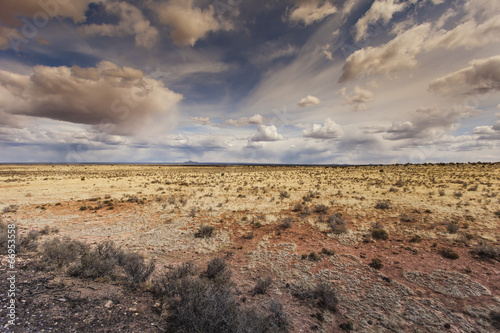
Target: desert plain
<point>400,248</point>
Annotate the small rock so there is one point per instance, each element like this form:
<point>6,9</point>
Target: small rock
<point>108,304</point>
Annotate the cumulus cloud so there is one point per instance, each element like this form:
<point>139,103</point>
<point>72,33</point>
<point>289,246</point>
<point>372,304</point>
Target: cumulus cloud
<point>381,10</point>
<point>188,24</point>
<point>246,121</point>
<point>428,124</point>
<point>120,98</point>
<point>483,75</point>
<point>266,133</point>
<point>132,22</point>
<point>358,98</point>
<point>396,55</point>
<point>200,120</point>
<point>12,12</point>
<point>329,130</point>
<point>308,101</point>
<point>310,11</point>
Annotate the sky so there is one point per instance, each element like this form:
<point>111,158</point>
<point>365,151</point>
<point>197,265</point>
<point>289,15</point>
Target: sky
<point>250,81</point>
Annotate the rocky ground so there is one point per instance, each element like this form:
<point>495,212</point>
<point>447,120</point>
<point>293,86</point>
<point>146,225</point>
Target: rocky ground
<point>272,222</point>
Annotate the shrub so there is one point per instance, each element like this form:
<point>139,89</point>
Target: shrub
<point>383,204</point>
<point>416,239</point>
<point>320,209</point>
<point>328,252</point>
<point>458,194</point>
<point>284,195</point>
<point>407,218</point>
<point>442,193</point>
<point>136,268</point>
<point>337,223</point>
<point>497,213</point>
<point>380,234</point>
<point>62,252</point>
<point>448,253</point>
<point>45,230</point>
<point>10,209</point>
<point>376,263</point>
<point>92,265</point>
<point>452,227</point>
<point>249,235</point>
<point>28,242</point>
<point>313,256</point>
<point>205,231</point>
<point>287,222</point>
<point>193,304</point>
<point>298,207</point>
<point>217,270</point>
<point>322,295</point>
<point>487,251</point>
<point>262,285</point>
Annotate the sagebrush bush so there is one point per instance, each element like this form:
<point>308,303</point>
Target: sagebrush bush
<point>337,223</point>
<point>287,222</point>
<point>194,303</point>
<point>205,231</point>
<point>62,252</point>
<point>380,234</point>
<point>322,295</point>
<point>320,209</point>
<point>448,253</point>
<point>218,271</point>
<point>452,227</point>
<point>383,204</point>
<point>487,251</point>
<point>262,285</point>
<point>376,263</point>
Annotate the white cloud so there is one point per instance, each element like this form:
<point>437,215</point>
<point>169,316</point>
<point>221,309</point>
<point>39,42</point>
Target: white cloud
<point>330,130</point>
<point>121,99</point>
<point>310,11</point>
<point>188,24</point>
<point>396,55</point>
<point>271,51</point>
<point>132,22</point>
<point>469,35</point>
<point>12,11</point>
<point>266,133</point>
<point>358,98</point>
<point>308,101</point>
<point>246,121</point>
<point>381,10</point>
<point>200,120</point>
<point>482,76</point>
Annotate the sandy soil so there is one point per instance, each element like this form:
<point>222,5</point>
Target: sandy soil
<point>156,210</point>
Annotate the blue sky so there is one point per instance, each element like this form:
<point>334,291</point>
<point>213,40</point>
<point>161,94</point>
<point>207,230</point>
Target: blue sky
<point>297,81</point>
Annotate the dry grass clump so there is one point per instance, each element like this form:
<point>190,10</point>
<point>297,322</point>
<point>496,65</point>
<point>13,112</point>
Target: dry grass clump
<point>287,222</point>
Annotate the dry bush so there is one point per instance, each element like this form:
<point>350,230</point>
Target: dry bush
<point>205,231</point>
<point>136,269</point>
<point>328,252</point>
<point>287,222</point>
<point>487,251</point>
<point>452,227</point>
<point>262,286</point>
<point>323,295</point>
<point>448,253</point>
<point>59,253</point>
<point>337,223</point>
<point>320,209</point>
<point>298,207</point>
<point>376,263</point>
<point>218,271</point>
<point>378,232</point>
<point>383,204</point>
<point>196,304</point>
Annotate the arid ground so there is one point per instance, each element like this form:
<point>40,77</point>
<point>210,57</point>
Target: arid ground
<point>434,228</point>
